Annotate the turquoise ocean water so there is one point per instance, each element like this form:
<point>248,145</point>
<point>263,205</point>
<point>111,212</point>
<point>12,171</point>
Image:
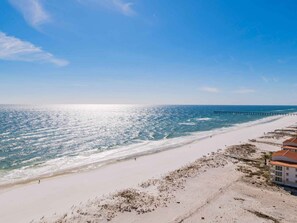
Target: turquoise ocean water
<point>43,140</point>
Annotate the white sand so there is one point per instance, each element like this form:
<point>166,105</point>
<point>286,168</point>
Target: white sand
<point>56,195</point>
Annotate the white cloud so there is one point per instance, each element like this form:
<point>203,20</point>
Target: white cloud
<point>12,48</point>
<point>32,10</point>
<point>269,79</point>
<point>123,7</point>
<point>210,89</point>
<point>244,91</point>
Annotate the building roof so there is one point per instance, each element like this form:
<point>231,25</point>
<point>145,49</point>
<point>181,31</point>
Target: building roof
<point>291,140</point>
<point>290,147</point>
<point>285,164</point>
<point>286,154</point>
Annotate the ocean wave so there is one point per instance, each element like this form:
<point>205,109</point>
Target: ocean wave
<point>187,123</point>
<point>203,119</point>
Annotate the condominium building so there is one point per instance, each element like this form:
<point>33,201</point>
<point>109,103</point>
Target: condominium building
<point>284,164</point>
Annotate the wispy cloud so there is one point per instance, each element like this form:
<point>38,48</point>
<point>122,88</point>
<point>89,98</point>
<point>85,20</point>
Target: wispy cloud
<point>12,48</point>
<point>281,61</point>
<point>250,67</point>
<point>210,89</point>
<point>265,79</point>
<point>269,79</point>
<point>244,91</point>
<point>121,6</point>
<point>32,10</point>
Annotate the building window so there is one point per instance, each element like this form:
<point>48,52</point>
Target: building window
<point>279,174</point>
<point>287,174</point>
<point>278,179</point>
<point>278,168</point>
<point>287,168</point>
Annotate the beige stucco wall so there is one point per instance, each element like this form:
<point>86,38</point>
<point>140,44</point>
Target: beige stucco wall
<point>289,180</point>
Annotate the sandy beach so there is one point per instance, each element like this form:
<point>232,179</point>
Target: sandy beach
<point>202,181</point>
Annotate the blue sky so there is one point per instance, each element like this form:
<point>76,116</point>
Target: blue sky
<point>148,51</point>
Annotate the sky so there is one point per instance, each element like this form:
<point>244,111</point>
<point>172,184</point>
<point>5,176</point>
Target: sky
<point>148,51</point>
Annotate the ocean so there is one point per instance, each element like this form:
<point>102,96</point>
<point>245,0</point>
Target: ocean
<point>44,140</point>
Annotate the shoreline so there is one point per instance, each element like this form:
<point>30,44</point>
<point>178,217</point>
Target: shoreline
<point>58,194</point>
<point>180,142</point>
